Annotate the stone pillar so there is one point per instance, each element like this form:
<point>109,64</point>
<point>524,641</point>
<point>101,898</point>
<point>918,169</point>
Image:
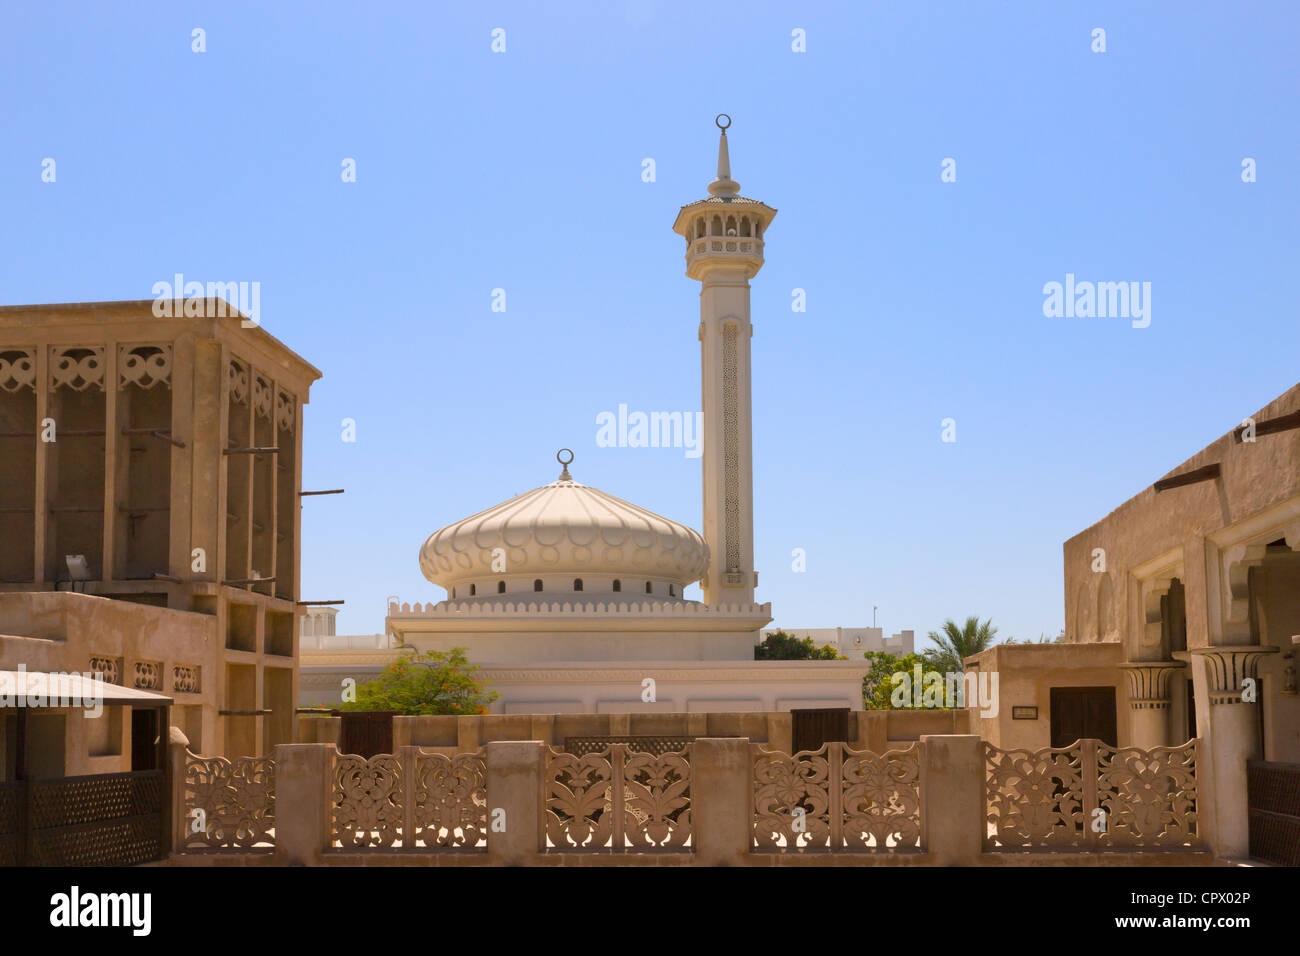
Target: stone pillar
<point>952,798</point>
<point>177,747</point>
<point>780,731</point>
<point>1233,738</point>
<point>721,820</point>
<point>467,734</point>
<point>1148,695</point>
<point>515,792</point>
<point>302,817</point>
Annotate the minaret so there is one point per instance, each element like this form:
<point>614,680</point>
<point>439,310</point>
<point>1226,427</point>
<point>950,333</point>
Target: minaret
<point>724,250</point>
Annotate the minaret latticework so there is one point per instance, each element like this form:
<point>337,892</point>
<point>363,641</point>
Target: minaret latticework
<point>724,250</point>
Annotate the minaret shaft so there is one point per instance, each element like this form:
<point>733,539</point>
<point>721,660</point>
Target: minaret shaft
<point>728,525</point>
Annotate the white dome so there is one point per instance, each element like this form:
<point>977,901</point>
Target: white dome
<point>564,528</point>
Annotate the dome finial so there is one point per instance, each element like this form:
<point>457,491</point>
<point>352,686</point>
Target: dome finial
<point>724,185</point>
<point>559,456</point>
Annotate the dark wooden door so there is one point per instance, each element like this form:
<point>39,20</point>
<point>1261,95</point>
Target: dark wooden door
<point>812,728</point>
<point>144,739</point>
<point>366,733</point>
<point>1079,712</point>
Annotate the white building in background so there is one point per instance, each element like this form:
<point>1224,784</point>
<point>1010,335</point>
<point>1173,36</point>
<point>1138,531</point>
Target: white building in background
<point>854,641</point>
<point>318,625</point>
<point>571,599</point>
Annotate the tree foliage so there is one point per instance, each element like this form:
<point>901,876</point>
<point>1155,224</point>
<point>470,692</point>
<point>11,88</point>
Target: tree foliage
<point>878,685</point>
<point>435,682</point>
<point>954,643</point>
<point>780,646</point>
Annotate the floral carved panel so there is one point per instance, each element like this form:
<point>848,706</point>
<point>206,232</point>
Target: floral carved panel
<point>657,800</point>
<point>366,799</point>
<point>450,800</point>
<point>792,805</point>
<point>1149,796</point>
<point>882,799</point>
<point>229,803</point>
<point>576,793</point>
<point>1034,797</point>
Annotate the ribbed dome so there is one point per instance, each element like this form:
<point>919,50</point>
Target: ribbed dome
<point>564,528</point>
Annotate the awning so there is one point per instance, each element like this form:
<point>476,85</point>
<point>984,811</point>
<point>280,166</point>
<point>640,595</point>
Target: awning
<point>39,689</point>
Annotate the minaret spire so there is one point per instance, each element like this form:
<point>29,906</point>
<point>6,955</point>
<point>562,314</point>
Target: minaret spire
<point>724,185</point>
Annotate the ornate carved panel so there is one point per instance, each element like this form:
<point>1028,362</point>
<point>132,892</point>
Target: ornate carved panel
<point>450,801</point>
<point>17,369</point>
<point>576,789</point>
<point>882,799</point>
<point>144,365</point>
<point>185,679</point>
<point>109,669</point>
<point>238,376</point>
<point>656,791</point>
<point>367,801</point>
<point>148,675</point>
<point>262,397</point>
<point>76,367</point>
<point>1035,797</point>
<point>235,800</point>
<point>285,411</point>
<point>1150,796</point>
<point>837,799</point>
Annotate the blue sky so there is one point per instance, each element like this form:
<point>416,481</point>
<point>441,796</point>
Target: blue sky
<point>522,170</point>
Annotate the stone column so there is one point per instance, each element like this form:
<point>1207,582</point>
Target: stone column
<point>177,747</point>
<point>1148,694</point>
<point>952,798</point>
<point>721,819</point>
<point>302,818</point>
<point>514,793</point>
<point>1233,739</point>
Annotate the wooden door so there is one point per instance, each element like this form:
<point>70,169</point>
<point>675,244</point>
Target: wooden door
<point>144,739</point>
<point>1079,712</point>
<point>812,728</point>
<point>366,732</point>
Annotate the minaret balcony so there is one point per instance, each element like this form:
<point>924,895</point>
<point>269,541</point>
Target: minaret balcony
<point>724,249</point>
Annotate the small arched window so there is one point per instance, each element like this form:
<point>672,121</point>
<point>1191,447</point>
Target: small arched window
<point>618,585</point>
<point>537,585</point>
<point>501,587</point>
<point>671,592</point>
<point>577,584</point>
<point>453,594</point>
<point>715,226</point>
<point>649,588</point>
<point>473,590</point>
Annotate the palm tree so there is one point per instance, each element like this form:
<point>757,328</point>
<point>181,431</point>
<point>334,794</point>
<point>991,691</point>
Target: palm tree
<point>954,644</point>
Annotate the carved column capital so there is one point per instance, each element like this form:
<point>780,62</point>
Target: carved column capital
<point>1227,667</point>
<point>1148,683</point>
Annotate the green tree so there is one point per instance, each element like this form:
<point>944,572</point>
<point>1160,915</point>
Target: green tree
<point>878,686</point>
<point>780,646</point>
<point>953,643</point>
<point>436,682</point>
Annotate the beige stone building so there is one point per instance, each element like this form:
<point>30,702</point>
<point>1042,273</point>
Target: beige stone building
<point>1182,617</point>
<point>150,474</point>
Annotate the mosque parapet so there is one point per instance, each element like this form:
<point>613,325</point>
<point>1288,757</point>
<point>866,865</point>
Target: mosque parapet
<point>496,609</point>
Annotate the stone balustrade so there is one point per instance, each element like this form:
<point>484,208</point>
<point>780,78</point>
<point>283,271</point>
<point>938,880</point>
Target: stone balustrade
<point>946,799</point>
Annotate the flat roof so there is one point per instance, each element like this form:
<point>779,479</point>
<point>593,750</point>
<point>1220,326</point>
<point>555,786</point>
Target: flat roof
<point>59,686</point>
